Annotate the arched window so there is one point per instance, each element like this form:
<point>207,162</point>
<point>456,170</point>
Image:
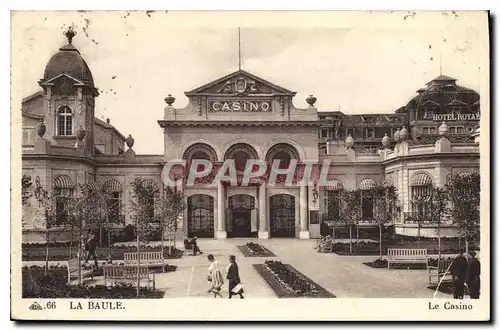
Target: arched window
<point>366,186</point>
<point>64,121</point>
<point>421,194</point>
<point>333,189</point>
<point>114,195</point>
<point>63,190</point>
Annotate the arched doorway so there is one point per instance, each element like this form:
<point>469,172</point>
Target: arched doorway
<point>282,215</point>
<point>201,216</point>
<point>241,210</point>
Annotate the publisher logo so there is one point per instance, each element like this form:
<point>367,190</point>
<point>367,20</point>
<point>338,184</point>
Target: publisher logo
<point>35,306</point>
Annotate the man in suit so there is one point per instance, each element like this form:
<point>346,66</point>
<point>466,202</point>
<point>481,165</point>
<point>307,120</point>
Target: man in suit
<point>458,273</point>
<point>90,247</point>
<point>473,276</point>
<point>233,276</point>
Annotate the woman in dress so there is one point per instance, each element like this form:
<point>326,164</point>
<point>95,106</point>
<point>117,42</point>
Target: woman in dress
<point>215,279</point>
<point>234,278</point>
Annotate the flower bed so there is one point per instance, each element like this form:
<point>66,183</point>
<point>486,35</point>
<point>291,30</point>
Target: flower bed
<point>372,248</point>
<point>255,250</point>
<point>287,282</point>
<point>54,285</point>
<point>37,253</point>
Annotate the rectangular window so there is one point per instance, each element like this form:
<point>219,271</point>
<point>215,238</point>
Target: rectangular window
<point>453,129</point>
<point>460,129</point>
<point>425,130</point>
<point>324,133</point>
<point>350,132</point>
<point>433,130</point>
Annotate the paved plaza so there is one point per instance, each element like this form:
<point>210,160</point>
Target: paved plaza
<point>343,276</point>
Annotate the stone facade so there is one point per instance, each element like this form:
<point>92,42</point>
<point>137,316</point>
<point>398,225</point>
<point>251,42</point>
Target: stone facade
<point>242,114</point>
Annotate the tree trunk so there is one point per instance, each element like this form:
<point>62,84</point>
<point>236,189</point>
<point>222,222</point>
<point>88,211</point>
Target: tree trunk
<point>357,234</point>
<point>162,248</point>
<point>380,239</point>
<point>71,242</point>
<point>439,243</point>
<point>418,236</point>
<point>466,246</point>
<point>138,262</point>
<point>79,253</point>
<point>333,235</point>
<point>46,272</point>
<point>109,243</point>
<point>350,239</point>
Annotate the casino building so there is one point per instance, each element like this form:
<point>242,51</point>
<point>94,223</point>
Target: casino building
<point>242,116</point>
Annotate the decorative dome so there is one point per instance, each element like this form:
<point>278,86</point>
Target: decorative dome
<point>68,61</point>
<point>397,137</point>
<point>441,91</point>
<point>349,142</point>
<point>386,141</point>
<point>403,134</point>
<point>443,129</point>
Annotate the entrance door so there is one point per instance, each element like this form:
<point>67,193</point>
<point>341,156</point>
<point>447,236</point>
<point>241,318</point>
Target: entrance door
<point>201,216</point>
<point>241,223</point>
<point>282,214</point>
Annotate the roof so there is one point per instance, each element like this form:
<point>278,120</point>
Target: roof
<point>32,96</point>
<point>443,78</point>
<point>108,126</point>
<point>68,61</point>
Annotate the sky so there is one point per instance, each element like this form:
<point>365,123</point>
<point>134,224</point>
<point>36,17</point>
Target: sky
<point>370,63</point>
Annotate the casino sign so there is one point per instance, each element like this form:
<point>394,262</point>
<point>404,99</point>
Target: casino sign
<point>239,106</point>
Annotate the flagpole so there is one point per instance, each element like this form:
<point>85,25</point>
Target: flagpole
<point>239,49</point>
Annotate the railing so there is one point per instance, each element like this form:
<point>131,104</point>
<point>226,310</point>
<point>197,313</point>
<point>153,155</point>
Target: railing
<point>417,218</point>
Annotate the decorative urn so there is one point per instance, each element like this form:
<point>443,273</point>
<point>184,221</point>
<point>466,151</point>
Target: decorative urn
<point>386,141</point>
<point>443,129</point>
<point>349,142</point>
<point>40,128</point>
<point>169,100</point>
<point>129,141</point>
<point>397,137</point>
<point>403,134</point>
<point>311,100</point>
<point>80,133</point>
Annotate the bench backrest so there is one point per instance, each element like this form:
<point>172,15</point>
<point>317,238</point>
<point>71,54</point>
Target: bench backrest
<point>145,257</point>
<point>124,271</point>
<point>407,252</point>
<point>72,267</point>
<point>444,265</point>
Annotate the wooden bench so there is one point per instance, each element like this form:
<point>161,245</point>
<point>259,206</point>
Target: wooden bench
<point>441,270</point>
<point>148,259</point>
<point>122,273</point>
<point>72,266</point>
<point>407,255</point>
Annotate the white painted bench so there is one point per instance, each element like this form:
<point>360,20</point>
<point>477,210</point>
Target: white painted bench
<point>148,259</point>
<point>122,273</point>
<point>440,271</point>
<point>407,255</point>
<point>72,266</point>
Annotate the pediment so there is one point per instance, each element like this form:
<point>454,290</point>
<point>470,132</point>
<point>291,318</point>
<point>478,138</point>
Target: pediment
<point>240,83</point>
<point>62,77</point>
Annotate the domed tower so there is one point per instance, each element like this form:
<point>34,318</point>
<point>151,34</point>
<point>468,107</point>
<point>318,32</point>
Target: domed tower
<point>69,96</point>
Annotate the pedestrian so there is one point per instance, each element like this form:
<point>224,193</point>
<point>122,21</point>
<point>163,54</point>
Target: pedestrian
<point>473,276</point>
<point>194,244</point>
<point>459,273</point>
<point>90,247</point>
<point>233,276</point>
<point>215,279</point>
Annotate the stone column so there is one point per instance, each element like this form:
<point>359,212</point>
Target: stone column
<point>304,232</point>
<point>221,212</point>
<point>263,232</point>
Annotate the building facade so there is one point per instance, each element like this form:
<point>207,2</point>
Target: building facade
<point>243,117</point>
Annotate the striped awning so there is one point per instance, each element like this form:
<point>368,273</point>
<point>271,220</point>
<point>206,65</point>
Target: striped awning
<point>421,179</point>
<point>148,182</point>
<point>63,181</point>
<point>334,185</point>
<point>367,184</point>
<point>91,185</point>
<point>112,185</point>
<point>389,181</point>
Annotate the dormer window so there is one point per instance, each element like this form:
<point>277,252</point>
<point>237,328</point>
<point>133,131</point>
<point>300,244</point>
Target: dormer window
<point>64,121</point>
<point>429,113</point>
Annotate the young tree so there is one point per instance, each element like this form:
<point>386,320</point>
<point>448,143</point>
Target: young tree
<point>464,192</point>
<point>439,212</point>
<point>350,210</point>
<point>87,208</point>
<point>385,209</point>
<point>142,212</point>
<point>169,205</point>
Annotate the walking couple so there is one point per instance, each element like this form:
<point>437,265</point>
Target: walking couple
<point>216,280</point>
